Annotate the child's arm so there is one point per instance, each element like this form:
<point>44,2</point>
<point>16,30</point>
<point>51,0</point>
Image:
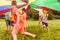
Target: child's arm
<point>36,9</point>
<point>17,18</point>
<point>40,19</point>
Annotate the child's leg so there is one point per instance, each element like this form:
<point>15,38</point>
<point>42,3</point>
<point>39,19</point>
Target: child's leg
<point>39,21</point>
<point>26,25</point>
<point>12,25</point>
<point>46,25</point>
<point>11,28</point>
<point>7,24</point>
<point>29,34</point>
<point>14,32</point>
<point>14,36</point>
<point>43,27</point>
<point>6,27</point>
<point>47,28</point>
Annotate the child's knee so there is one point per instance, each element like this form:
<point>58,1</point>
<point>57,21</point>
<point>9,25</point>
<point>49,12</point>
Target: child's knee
<point>13,33</point>
<point>44,26</point>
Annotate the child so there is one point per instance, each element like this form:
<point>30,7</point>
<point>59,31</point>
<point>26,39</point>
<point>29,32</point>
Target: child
<point>24,18</point>
<point>7,19</point>
<point>40,13</point>
<point>44,18</point>
<point>19,23</point>
<point>12,21</point>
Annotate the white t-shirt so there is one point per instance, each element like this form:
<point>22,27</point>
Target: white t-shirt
<point>40,11</point>
<point>44,18</point>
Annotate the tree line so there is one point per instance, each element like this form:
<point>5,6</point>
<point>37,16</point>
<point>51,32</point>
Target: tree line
<point>34,14</point>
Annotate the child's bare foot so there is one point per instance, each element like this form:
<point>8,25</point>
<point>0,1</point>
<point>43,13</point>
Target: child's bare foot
<point>35,36</point>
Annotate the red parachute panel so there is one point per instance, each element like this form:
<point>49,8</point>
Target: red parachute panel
<point>25,1</point>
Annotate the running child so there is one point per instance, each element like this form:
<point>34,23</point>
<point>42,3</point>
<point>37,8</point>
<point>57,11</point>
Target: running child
<point>19,23</point>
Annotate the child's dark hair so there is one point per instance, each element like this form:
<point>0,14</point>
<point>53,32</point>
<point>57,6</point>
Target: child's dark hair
<point>14,3</point>
<point>23,9</point>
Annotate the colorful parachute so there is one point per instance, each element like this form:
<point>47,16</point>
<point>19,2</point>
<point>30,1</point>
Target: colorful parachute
<point>45,4</point>
<point>25,1</point>
<point>5,5</point>
<point>51,4</point>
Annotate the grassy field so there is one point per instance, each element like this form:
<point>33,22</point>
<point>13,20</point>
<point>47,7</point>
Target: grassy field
<point>54,33</point>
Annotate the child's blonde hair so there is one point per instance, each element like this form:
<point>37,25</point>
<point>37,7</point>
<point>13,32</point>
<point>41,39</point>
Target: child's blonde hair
<point>45,12</point>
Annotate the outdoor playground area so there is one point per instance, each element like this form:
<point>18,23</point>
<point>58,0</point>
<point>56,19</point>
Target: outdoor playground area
<point>54,33</point>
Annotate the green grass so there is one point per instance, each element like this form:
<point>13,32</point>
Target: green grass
<point>54,33</point>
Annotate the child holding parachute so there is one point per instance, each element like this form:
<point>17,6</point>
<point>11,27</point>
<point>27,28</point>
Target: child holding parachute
<point>43,16</point>
<point>19,22</point>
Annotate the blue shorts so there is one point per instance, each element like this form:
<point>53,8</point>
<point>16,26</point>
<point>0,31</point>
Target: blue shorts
<point>8,22</point>
<point>46,24</point>
<point>11,23</point>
